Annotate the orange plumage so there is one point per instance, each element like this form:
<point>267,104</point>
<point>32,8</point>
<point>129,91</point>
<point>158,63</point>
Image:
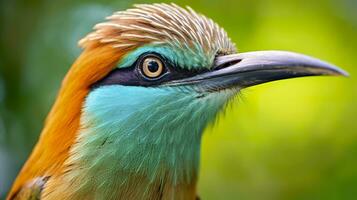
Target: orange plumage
<point>62,123</point>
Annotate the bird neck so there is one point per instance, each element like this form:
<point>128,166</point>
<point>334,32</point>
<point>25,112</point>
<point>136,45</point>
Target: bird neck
<point>137,142</point>
<point>62,123</point>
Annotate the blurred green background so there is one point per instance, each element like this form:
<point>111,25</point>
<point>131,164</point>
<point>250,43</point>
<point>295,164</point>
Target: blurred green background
<point>293,139</point>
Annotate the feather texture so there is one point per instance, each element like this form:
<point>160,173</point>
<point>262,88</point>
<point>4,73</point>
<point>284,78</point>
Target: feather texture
<point>162,24</point>
<point>147,138</point>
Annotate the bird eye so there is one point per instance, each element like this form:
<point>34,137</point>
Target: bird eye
<point>152,67</point>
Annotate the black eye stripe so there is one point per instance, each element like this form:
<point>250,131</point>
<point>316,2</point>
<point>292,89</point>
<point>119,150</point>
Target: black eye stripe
<point>132,75</point>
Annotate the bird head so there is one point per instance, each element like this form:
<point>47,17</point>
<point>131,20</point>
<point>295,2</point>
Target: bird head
<point>150,79</point>
<point>176,71</point>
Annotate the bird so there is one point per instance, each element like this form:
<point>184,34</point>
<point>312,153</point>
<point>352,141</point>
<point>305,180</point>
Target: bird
<point>129,117</point>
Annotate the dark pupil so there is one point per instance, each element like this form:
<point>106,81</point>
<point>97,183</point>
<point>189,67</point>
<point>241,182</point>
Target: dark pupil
<point>153,66</point>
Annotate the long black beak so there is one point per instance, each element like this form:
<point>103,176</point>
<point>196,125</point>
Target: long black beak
<point>252,68</point>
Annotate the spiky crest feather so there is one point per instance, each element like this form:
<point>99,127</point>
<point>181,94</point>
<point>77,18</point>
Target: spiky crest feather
<point>161,24</point>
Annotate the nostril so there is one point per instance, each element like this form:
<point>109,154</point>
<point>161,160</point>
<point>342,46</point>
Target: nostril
<point>227,64</point>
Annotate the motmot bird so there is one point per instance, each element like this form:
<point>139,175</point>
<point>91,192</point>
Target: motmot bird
<point>128,120</point>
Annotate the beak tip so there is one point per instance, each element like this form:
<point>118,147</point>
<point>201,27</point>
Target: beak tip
<point>345,74</point>
<point>339,72</point>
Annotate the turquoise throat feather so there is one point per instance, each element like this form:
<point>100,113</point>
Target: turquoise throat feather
<point>136,133</point>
